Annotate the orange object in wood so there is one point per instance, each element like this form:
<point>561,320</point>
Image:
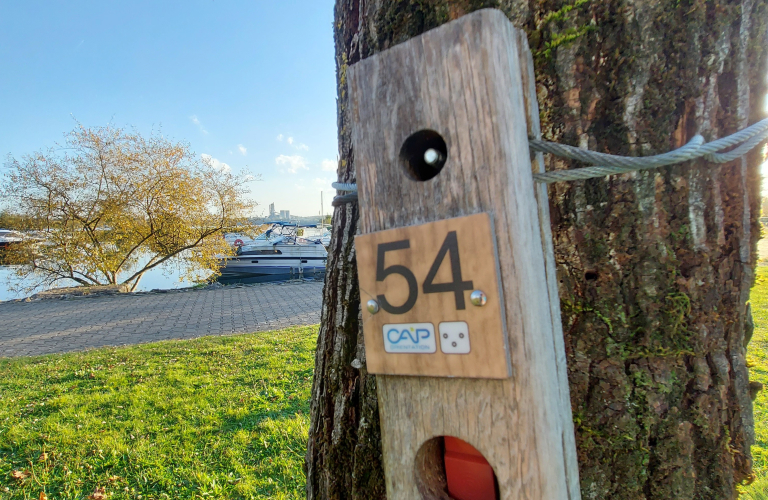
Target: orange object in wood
<point>470,476</point>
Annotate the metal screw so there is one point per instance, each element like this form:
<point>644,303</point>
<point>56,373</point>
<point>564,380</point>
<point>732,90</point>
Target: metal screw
<point>373,306</point>
<point>432,156</point>
<point>478,298</point>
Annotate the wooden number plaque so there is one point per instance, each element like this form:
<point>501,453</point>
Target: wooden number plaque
<point>465,90</point>
<point>422,278</point>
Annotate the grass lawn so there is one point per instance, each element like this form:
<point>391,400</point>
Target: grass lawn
<point>757,359</point>
<point>221,417</point>
<point>218,417</point>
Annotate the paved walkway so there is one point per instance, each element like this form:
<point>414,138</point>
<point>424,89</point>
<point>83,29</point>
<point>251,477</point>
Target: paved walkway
<point>51,326</point>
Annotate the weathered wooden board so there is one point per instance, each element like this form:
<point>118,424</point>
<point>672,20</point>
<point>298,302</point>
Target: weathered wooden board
<point>565,424</point>
<point>418,250</point>
<point>463,81</point>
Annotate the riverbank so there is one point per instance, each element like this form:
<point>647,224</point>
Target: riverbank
<point>82,292</point>
<point>166,278</point>
<point>86,291</point>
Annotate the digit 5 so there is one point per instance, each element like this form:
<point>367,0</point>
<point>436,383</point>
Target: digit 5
<point>382,272</point>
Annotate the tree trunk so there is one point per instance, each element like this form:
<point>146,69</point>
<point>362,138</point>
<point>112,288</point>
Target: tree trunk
<point>654,267</point>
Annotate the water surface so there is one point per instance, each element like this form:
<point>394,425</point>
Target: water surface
<point>165,278</point>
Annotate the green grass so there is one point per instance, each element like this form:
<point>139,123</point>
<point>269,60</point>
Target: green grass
<point>757,359</point>
<point>222,417</point>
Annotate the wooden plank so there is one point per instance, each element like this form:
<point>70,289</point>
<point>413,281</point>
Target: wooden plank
<point>463,80</point>
<point>528,79</point>
<point>482,349</point>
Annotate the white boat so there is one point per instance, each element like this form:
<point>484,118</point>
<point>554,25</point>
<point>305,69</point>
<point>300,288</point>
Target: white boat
<point>8,237</point>
<point>279,252</point>
<point>313,233</point>
<point>318,232</point>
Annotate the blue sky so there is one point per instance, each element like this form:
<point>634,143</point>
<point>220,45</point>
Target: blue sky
<point>250,83</point>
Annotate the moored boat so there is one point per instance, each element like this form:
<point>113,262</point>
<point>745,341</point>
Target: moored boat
<point>278,253</point>
<point>8,237</point>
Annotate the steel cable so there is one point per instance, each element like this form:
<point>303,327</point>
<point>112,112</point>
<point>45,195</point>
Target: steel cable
<point>603,164</point>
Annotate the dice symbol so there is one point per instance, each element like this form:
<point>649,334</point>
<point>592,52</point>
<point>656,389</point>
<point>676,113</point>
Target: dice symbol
<point>454,337</point>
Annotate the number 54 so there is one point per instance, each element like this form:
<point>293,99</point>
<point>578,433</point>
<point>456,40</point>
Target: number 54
<point>450,247</point>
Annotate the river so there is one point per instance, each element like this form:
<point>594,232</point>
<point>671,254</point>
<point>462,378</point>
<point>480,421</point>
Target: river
<point>159,278</point>
<point>163,277</point>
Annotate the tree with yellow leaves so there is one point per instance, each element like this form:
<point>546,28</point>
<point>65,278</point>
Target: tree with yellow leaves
<point>111,205</point>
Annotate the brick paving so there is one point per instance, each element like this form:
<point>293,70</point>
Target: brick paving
<point>53,326</point>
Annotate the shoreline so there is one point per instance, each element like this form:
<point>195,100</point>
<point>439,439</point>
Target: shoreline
<point>90,292</point>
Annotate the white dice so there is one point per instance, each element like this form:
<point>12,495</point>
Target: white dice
<point>454,337</point>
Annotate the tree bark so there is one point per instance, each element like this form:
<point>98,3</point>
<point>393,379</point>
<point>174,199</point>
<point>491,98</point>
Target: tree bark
<point>654,267</point>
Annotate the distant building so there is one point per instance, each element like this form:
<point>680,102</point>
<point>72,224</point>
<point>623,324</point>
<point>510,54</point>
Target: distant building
<point>285,214</point>
<point>271,210</point>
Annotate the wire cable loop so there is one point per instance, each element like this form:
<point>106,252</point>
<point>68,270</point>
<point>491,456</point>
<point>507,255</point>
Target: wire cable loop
<point>344,186</point>
<point>344,199</point>
<point>603,164</point>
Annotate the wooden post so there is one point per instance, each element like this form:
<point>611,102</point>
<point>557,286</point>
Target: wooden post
<point>448,207</point>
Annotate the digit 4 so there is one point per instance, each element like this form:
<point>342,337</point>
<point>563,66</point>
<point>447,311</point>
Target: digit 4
<point>457,286</point>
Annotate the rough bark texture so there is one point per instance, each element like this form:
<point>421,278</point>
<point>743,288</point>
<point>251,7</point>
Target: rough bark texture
<point>655,268</point>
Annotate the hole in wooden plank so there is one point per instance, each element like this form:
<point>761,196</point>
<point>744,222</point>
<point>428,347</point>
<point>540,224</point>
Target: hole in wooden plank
<point>423,155</point>
<point>448,468</point>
